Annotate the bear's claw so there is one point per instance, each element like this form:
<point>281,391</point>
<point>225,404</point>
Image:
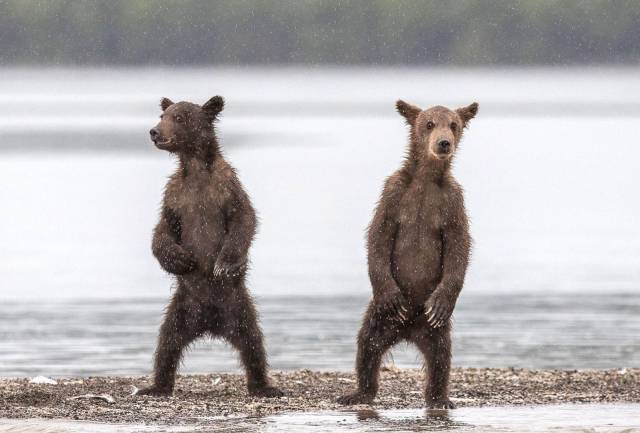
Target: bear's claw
<point>154,391</point>
<point>440,403</point>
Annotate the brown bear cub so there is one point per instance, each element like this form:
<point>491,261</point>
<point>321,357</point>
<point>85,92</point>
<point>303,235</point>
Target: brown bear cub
<point>205,230</point>
<point>418,251</point>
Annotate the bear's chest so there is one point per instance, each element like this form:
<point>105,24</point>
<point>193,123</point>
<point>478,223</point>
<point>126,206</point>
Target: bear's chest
<point>423,210</point>
<point>198,206</point>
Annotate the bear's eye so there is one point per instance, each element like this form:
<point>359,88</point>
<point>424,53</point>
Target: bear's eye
<point>179,119</point>
<point>430,125</point>
<point>454,126</point>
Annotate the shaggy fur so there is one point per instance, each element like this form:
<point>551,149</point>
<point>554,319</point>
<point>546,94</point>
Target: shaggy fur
<point>418,251</point>
<point>205,230</point>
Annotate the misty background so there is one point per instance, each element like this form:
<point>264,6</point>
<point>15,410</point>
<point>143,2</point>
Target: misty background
<point>549,168</point>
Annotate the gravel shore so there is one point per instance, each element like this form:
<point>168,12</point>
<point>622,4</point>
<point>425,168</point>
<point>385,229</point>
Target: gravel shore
<point>198,397</point>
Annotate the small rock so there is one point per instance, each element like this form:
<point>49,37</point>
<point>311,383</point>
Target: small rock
<point>462,400</point>
<point>104,397</point>
<point>42,380</point>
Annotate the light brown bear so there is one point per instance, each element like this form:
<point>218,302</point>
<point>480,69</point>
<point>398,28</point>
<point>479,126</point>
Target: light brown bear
<point>418,251</point>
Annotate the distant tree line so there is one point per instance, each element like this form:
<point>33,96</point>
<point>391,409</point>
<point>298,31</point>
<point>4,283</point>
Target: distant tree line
<point>384,32</point>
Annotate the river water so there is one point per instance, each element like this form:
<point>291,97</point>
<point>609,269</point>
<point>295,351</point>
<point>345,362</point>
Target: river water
<point>550,169</point>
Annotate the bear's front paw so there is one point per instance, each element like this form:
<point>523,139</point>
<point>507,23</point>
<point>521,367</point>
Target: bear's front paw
<point>438,309</point>
<point>229,266</point>
<point>155,391</point>
<point>394,304</point>
<point>178,261</point>
<point>355,398</point>
<point>266,392</point>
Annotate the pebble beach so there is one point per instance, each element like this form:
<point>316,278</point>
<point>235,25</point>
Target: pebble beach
<point>207,397</point>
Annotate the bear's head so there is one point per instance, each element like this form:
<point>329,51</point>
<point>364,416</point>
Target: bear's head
<point>437,131</point>
<point>184,125</point>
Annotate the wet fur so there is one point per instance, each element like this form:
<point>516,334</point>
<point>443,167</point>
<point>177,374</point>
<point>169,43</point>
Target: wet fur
<point>418,252</point>
<point>206,227</point>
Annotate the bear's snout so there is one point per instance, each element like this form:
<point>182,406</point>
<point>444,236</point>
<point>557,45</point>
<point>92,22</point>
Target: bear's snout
<point>444,146</point>
<point>155,134</point>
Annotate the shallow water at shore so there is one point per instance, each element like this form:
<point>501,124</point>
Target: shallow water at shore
<point>610,418</point>
<point>566,418</point>
<point>117,337</point>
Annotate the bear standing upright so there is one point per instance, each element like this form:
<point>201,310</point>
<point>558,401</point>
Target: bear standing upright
<point>418,251</point>
<point>205,230</point>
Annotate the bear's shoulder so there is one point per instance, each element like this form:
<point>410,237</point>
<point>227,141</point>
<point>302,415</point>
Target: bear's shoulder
<point>454,190</point>
<point>224,187</point>
<point>453,202</point>
<point>396,185</point>
<point>173,186</point>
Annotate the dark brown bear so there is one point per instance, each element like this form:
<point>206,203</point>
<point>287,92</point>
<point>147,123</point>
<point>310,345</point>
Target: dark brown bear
<point>205,230</point>
<point>418,251</point>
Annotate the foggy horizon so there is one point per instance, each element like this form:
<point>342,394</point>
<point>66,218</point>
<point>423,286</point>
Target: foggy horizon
<point>361,33</point>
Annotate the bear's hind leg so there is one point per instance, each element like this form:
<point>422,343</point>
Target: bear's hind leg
<point>377,335</point>
<point>435,345</point>
<point>244,334</point>
<point>182,324</point>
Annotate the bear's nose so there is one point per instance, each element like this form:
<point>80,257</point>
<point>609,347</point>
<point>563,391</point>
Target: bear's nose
<point>444,145</point>
<point>154,133</point>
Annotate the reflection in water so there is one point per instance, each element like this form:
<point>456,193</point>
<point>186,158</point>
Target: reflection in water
<point>603,418</point>
<point>366,414</point>
<point>430,419</point>
<point>441,417</point>
<point>566,418</point>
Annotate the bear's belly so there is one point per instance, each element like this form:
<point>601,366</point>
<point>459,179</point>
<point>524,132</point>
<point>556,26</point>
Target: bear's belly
<point>203,236</point>
<point>417,263</point>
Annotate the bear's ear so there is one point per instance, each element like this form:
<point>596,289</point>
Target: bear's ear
<point>468,113</point>
<point>213,106</point>
<point>408,111</point>
<point>165,103</point>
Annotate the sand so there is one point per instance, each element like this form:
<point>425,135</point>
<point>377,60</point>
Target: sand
<point>200,397</point>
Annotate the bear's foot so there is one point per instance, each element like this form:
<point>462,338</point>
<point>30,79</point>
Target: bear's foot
<point>155,391</point>
<point>266,392</point>
<point>356,398</point>
<point>440,403</point>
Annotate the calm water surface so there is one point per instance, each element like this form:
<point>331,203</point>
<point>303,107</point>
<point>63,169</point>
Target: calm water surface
<point>558,418</point>
<point>549,167</point>
<point>78,337</point>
